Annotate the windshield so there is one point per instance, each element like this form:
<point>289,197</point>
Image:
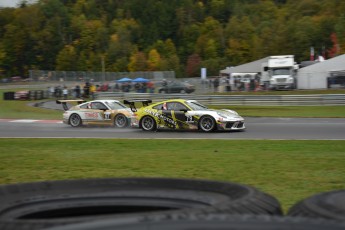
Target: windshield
<point>281,71</point>
<point>115,105</point>
<point>196,105</point>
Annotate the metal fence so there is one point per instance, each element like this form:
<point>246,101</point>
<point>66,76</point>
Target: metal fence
<point>256,100</point>
<point>80,76</point>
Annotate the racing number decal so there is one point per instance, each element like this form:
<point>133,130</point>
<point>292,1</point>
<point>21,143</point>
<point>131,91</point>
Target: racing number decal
<point>107,115</point>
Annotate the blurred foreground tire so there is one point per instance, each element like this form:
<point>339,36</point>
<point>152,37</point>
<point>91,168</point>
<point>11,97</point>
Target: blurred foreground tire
<point>208,222</point>
<point>329,205</point>
<point>59,202</point>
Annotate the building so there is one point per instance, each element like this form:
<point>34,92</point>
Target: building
<point>322,75</point>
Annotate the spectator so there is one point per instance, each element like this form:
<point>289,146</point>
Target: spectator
<point>93,90</point>
<point>65,92</point>
<point>77,91</point>
<point>151,87</point>
<point>216,84</point>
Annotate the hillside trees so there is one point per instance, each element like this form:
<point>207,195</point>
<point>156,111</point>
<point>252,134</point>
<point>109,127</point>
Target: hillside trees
<point>162,35</point>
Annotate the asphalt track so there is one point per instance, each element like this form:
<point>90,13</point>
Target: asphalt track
<point>257,129</point>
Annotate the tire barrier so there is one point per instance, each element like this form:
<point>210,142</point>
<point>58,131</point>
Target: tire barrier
<point>36,95</point>
<point>207,222</point>
<point>51,203</point>
<point>9,96</point>
<point>328,205</point>
<point>160,203</point>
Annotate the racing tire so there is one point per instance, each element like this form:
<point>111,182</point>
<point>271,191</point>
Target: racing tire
<point>120,121</point>
<point>207,124</point>
<point>162,92</point>
<point>183,91</point>
<point>75,120</point>
<point>148,123</point>
<point>207,222</point>
<point>52,203</point>
<point>329,205</point>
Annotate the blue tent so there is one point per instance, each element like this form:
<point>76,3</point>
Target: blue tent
<point>125,79</point>
<point>140,79</point>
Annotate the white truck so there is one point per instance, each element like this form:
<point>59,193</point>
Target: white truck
<point>279,72</point>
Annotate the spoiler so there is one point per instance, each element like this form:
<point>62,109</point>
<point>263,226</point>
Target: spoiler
<point>64,102</point>
<point>131,103</point>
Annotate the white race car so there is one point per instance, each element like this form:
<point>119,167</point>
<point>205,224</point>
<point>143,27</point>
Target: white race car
<point>97,112</point>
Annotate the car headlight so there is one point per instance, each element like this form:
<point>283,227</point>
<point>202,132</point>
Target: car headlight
<point>222,115</point>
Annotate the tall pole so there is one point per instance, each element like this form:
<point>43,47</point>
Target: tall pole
<point>103,68</point>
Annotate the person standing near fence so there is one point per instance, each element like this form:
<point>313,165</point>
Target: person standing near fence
<point>65,92</point>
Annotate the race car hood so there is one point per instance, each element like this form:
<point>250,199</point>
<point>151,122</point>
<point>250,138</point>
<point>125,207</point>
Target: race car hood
<point>224,113</point>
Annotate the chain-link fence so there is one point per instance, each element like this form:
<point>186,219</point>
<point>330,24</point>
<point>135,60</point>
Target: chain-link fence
<point>80,76</point>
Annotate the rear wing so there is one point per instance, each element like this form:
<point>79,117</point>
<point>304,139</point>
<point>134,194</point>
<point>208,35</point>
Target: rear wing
<point>64,102</point>
<point>131,103</point>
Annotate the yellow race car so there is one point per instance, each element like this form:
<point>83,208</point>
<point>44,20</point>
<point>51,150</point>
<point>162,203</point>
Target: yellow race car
<point>180,114</point>
<point>97,112</point>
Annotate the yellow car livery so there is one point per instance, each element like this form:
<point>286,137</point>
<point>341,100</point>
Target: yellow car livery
<point>180,114</point>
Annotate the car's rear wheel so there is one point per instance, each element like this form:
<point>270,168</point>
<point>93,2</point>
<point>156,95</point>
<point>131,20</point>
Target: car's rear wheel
<point>183,91</point>
<point>75,120</point>
<point>120,121</point>
<point>162,91</point>
<point>148,123</point>
<point>207,124</point>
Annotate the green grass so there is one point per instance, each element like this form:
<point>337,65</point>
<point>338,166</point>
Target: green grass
<point>289,170</point>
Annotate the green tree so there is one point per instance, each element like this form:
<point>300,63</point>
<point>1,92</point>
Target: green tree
<point>154,60</point>
<point>138,62</point>
<point>67,59</point>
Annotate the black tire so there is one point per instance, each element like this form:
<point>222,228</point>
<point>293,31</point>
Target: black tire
<point>75,120</point>
<point>72,201</point>
<point>148,123</point>
<point>162,91</point>
<point>120,121</point>
<point>183,91</point>
<point>329,205</point>
<point>207,124</point>
<point>189,221</point>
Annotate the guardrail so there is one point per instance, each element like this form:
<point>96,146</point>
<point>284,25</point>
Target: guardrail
<point>259,100</point>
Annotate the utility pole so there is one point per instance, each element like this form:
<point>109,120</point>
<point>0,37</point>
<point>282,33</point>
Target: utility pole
<point>103,68</point>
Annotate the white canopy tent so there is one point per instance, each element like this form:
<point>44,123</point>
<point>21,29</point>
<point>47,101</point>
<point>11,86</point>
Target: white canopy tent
<point>317,76</point>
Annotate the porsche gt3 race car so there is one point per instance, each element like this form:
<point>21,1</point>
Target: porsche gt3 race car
<point>97,112</point>
<point>180,114</point>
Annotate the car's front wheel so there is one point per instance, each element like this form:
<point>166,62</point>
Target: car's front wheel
<point>207,124</point>
<point>120,121</point>
<point>148,123</point>
<point>75,120</point>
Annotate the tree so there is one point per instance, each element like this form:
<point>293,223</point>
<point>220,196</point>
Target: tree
<point>154,60</point>
<point>137,62</point>
<point>67,59</point>
<point>335,49</point>
<point>193,65</point>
